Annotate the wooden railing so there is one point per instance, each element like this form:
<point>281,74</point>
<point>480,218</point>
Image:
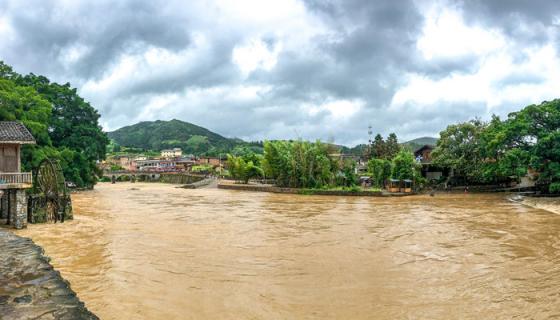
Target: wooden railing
<point>19,177</point>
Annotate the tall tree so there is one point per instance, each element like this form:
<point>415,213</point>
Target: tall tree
<point>527,139</point>
<point>64,125</point>
<point>459,148</point>
<point>404,166</point>
<point>380,171</point>
<point>301,164</point>
<point>392,146</point>
<point>378,147</point>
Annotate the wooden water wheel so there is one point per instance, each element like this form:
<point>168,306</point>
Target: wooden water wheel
<point>50,184</point>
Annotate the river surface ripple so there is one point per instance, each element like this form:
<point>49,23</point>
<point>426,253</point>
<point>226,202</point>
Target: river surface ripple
<point>152,251</point>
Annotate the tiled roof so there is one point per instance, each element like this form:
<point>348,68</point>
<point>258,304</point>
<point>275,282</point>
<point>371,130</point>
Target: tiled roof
<point>15,132</point>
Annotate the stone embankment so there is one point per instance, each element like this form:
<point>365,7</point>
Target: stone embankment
<point>29,286</point>
<point>210,182</point>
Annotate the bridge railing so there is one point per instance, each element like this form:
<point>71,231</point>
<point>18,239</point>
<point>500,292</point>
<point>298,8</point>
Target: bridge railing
<point>16,177</point>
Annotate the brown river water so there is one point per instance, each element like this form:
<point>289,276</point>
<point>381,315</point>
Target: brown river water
<point>152,251</point>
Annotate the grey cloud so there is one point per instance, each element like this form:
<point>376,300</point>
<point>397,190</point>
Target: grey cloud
<point>364,53</point>
<point>364,56</point>
<point>106,29</point>
<point>525,22</point>
<point>517,78</point>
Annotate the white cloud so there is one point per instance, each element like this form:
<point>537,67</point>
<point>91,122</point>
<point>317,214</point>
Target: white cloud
<point>489,84</point>
<point>339,110</point>
<point>445,35</point>
<point>255,55</point>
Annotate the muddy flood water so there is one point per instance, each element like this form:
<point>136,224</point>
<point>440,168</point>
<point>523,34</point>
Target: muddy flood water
<point>152,251</point>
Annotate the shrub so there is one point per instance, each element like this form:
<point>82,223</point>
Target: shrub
<point>554,187</point>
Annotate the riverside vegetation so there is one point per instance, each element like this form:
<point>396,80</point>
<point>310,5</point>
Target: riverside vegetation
<point>503,150</point>
<point>302,164</point>
<point>498,151</point>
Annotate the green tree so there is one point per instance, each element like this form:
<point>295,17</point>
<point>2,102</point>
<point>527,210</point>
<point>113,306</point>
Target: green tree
<point>378,148</point>
<point>392,146</point>
<point>65,126</point>
<point>26,105</point>
<point>242,170</point>
<point>460,149</point>
<point>527,139</point>
<point>299,164</point>
<point>346,176</point>
<point>74,126</point>
<point>405,167</point>
<point>380,171</point>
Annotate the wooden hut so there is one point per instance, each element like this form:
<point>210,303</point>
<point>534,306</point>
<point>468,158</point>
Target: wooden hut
<point>13,182</point>
<point>406,186</point>
<point>394,185</point>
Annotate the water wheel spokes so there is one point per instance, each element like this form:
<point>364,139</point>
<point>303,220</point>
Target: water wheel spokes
<point>50,184</point>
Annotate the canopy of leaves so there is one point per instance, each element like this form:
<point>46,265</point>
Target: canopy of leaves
<point>384,149</point>
<point>505,149</point>
<point>65,126</point>
<point>380,171</point>
<point>242,170</point>
<point>459,148</point>
<point>302,164</point>
<point>405,167</point>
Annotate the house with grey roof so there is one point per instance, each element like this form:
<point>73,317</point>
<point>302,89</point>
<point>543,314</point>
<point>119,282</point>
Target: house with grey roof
<point>13,182</point>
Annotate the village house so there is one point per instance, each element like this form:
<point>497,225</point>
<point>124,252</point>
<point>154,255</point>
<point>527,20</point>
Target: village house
<point>361,164</point>
<point>156,165</point>
<point>215,162</point>
<point>126,162</point>
<point>429,171</point>
<point>186,163</point>
<point>13,182</point>
<point>171,153</point>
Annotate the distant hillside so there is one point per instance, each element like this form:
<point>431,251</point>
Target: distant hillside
<point>419,142</point>
<point>158,135</point>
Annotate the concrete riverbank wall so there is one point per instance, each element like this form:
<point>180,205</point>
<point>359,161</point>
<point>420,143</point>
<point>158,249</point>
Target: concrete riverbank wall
<point>30,288</point>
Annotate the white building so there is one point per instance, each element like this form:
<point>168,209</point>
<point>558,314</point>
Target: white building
<point>172,153</point>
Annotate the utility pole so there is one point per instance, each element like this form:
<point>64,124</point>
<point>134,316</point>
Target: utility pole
<point>370,141</point>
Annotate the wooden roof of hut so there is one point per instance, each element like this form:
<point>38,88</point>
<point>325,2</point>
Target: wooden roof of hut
<point>13,132</point>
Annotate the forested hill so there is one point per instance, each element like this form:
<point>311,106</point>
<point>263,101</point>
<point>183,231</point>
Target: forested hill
<point>420,142</point>
<point>158,135</point>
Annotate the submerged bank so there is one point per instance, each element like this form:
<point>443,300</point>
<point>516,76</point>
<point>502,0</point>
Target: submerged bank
<point>548,204</point>
<point>302,191</point>
<point>29,286</point>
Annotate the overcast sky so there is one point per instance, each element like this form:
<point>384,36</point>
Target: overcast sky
<point>314,69</point>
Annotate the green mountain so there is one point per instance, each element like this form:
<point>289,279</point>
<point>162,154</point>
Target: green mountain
<point>158,135</point>
<point>415,144</point>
